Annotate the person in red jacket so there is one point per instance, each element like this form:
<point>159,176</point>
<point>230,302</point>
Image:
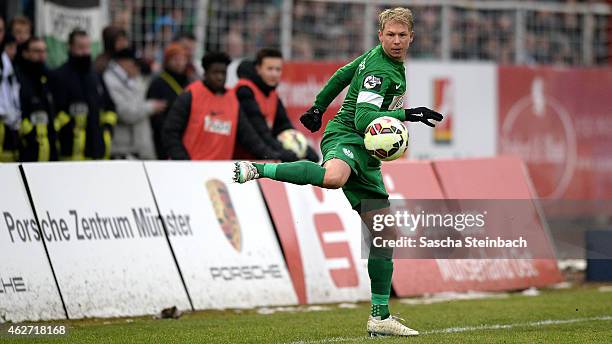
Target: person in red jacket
<point>205,121</point>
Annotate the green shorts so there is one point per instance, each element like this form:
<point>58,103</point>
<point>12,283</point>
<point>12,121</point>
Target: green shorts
<point>365,182</point>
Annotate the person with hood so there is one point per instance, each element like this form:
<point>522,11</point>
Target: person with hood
<point>85,112</point>
<point>167,86</point>
<point>10,110</point>
<point>37,130</point>
<point>256,92</point>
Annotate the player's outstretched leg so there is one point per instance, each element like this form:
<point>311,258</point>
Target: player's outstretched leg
<point>298,172</point>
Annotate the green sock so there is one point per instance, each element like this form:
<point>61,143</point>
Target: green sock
<point>298,172</point>
<point>381,311</point>
<point>380,271</point>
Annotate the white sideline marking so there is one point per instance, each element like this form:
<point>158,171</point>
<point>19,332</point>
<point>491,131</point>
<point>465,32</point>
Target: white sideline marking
<point>470,328</point>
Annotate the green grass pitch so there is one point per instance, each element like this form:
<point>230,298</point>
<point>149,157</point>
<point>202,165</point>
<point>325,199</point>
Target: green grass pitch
<point>578,315</point>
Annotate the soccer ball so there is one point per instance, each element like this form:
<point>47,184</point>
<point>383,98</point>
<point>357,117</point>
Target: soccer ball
<point>294,141</point>
<point>386,138</point>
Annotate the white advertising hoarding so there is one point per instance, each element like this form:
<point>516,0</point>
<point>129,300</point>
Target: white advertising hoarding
<point>466,94</point>
<point>27,288</point>
<point>321,236</point>
<point>222,236</point>
<point>325,221</point>
<point>105,239</point>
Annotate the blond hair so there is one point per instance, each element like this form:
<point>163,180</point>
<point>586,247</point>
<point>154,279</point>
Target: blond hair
<point>398,14</point>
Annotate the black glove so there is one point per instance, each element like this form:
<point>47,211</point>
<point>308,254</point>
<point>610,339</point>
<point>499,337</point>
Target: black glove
<point>312,155</point>
<point>287,156</point>
<point>423,114</point>
<point>311,119</point>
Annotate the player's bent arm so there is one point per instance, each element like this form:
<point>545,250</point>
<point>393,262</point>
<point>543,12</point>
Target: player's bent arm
<point>338,81</point>
<point>366,113</point>
<point>174,127</point>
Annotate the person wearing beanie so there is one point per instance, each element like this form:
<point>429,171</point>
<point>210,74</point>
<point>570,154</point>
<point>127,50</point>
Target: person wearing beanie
<point>167,85</point>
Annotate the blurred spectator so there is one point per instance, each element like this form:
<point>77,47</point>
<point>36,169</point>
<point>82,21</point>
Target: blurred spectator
<point>21,29</point>
<point>133,137</point>
<point>2,31</point>
<point>37,130</point>
<point>205,122</point>
<point>113,39</point>
<point>302,48</point>
<point>256,92</point>
<point>335,30</point>
<point>85,112</point>
<point>188,41</point>
<point>10,112</point>
<point>10,46</point>
<point>241,27</point>
<point>167,86</point>
<point>427,33</point>
<point>234,44</point>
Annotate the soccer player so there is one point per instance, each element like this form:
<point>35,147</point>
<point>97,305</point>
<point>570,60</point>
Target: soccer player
<point>377,86</point>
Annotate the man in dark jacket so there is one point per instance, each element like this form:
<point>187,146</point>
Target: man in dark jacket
<point>167,86</point>
<point>37,131</point>
<point>256,91</point>
<point>85,112</point>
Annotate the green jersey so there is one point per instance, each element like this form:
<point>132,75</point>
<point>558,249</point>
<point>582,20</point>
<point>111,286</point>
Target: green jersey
<point>377,87</point>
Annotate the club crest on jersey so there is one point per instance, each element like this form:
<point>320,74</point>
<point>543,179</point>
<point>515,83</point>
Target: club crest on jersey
<point>372,82</point>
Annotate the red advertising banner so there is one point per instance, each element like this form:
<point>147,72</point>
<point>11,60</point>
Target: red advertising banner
<point>494,179</point>
<point>559,122</point>
<point>500,178</point>
<point>299,86</point>
<point>318,233</point>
